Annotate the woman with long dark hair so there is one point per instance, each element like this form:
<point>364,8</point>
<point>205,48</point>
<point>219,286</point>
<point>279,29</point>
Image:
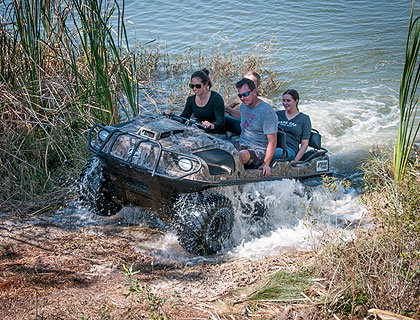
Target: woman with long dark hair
<point>205,105</point>
<point>297,126</point>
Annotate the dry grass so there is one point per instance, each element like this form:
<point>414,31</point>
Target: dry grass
<point>380,268</point>
<point>50,272</point>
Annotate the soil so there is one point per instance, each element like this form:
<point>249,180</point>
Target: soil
<point>51,272</point>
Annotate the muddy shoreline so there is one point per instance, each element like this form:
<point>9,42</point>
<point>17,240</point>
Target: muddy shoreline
<point>50,272</point>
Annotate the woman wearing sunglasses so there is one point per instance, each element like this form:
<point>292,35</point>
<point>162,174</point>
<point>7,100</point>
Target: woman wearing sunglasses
<point>206,105</point>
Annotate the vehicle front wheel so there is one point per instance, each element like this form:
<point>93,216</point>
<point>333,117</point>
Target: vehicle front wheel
<point>95,189</point>
<point>203,221</point>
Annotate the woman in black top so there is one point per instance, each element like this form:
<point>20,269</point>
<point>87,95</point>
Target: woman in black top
<point>206,105</point>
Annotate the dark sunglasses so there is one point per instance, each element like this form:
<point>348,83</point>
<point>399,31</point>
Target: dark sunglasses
<point>198,86</point>
<point>245,94</point>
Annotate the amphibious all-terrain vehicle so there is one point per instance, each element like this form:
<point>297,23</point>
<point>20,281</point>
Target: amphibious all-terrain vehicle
<point>164,164</point>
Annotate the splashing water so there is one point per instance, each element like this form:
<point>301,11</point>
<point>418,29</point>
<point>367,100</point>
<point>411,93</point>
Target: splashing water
<point>294,216</point>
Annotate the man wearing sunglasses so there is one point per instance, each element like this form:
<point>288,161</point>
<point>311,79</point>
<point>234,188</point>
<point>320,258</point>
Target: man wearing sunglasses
<point>233,103</point>
<point>258,128</point>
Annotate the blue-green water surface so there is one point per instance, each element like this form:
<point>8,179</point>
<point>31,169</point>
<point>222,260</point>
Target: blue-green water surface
<point>344,57</point>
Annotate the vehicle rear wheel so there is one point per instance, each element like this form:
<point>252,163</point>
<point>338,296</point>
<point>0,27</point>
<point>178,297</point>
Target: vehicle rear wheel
<point>203,221</point>
<point>95,189</point>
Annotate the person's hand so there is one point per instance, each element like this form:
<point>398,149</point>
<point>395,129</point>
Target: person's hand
<point>266,170</point>
<point>208,125</point>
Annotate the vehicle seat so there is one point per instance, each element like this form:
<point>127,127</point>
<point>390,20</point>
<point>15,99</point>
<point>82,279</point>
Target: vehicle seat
<point>315,139</point>
<point>233,125</point>
<point>281,143</point>
<point>218,161</point>
<point>315,143</point>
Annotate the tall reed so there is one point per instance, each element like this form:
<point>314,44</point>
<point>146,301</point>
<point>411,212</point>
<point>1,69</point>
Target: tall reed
<point>26,42</point>
<point>409,98</point>
<point>54,82</point>
<point>111,69</point>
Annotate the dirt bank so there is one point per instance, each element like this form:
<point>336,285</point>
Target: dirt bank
<point>48,272</point>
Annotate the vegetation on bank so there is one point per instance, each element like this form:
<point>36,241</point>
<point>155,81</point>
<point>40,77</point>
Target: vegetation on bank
<point>380,267</point>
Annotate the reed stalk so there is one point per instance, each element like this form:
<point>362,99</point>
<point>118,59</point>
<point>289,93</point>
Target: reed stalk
<point>409,98</point>
<point>112,69</point>
<point>50,86</point>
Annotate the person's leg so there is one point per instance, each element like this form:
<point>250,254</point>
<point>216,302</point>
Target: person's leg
<point>279,154</point>
<point>251,157</point>
<point>291,153</point>
<point>244,156</point>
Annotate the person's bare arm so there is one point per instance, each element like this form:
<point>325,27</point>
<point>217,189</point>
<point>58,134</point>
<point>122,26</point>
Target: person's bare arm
<point>303,146</point>
<point>271,147</point>
<point>234,112</point>
<point>232,106</point>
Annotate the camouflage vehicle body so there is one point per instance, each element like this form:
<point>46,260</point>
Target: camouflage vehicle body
<point>153,161</point>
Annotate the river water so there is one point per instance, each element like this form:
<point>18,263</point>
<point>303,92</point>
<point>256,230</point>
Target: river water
<point>344,57</point>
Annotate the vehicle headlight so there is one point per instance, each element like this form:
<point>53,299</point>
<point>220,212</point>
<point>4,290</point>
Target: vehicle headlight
<point>185,164</point>
<point>103,134</point>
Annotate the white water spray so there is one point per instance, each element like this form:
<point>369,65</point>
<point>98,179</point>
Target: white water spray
<point>296,216</point>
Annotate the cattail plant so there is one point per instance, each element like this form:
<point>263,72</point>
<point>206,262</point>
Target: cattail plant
<point>409,98</point>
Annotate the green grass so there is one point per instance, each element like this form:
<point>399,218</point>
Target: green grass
<point>285,286</point>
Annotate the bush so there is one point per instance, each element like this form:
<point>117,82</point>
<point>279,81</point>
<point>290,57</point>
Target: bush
<point>381,267</point>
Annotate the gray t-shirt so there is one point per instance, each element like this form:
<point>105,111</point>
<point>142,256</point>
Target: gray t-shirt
<point>256,124</point>
<point>297,128</point>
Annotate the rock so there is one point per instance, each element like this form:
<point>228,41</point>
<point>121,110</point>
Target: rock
<point>387,315</point>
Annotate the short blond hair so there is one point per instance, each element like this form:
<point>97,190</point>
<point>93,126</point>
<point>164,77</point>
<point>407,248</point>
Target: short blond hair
<point>255,75</point>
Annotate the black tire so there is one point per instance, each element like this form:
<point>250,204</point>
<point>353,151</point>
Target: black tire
<point>95,189</point>
<point>203,221</point>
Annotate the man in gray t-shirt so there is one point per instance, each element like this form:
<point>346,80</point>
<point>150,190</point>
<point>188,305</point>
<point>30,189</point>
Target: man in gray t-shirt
<point>258,128</point>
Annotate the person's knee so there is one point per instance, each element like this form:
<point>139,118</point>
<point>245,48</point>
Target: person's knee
<point>278,154</point>
<point>244,156</point>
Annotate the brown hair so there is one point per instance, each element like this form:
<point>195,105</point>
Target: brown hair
<point>245,81</point>
<point>255,75</point>
<point>294,94</point>
<point>204,76</point>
